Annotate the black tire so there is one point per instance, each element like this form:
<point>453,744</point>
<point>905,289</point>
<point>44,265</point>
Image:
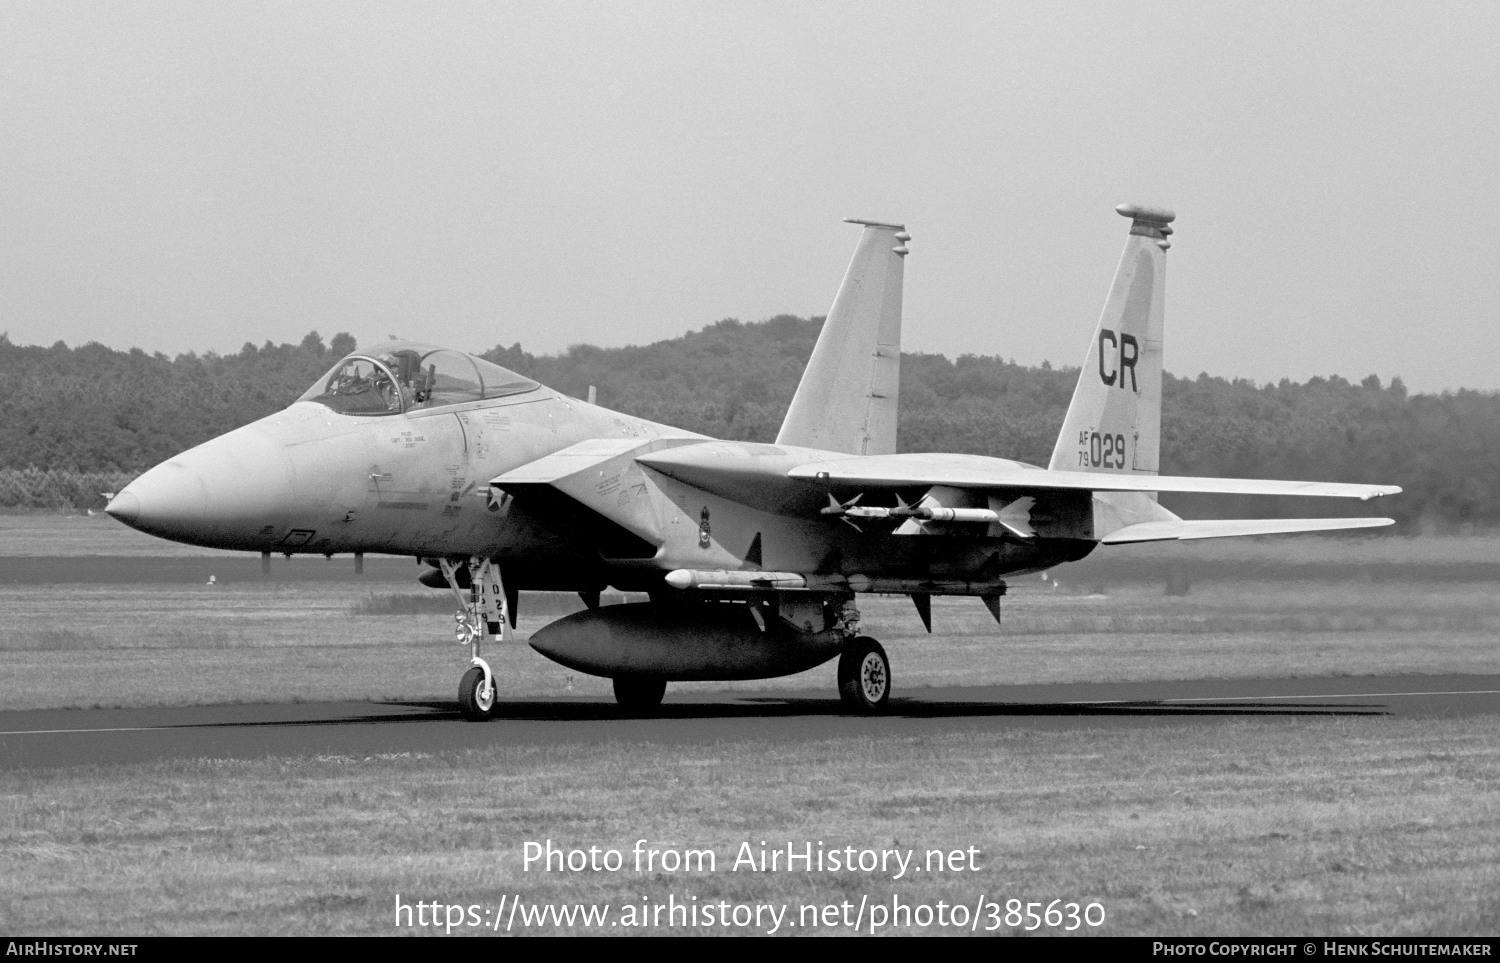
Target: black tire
<point>639,693</point>
<point>864,677</point>
<point>470,704</point>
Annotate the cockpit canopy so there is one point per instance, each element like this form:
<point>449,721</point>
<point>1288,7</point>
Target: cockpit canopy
<point>401,376</point>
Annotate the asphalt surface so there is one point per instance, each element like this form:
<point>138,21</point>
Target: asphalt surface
<point>42,739</point>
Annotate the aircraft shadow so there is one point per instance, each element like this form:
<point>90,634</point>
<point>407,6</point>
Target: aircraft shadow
<point>784,708</point>
<point>774,708</point>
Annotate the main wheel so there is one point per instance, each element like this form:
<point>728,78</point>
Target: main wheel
<point>473,701</point>
<point>864,676</point>
<point>639,693</point>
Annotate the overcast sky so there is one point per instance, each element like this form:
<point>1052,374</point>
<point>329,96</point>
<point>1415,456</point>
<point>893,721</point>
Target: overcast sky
<point>192,176</point>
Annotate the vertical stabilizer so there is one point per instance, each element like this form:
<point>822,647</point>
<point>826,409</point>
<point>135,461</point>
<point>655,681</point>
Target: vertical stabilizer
<point>846,401</point>
<point>1114,422</point>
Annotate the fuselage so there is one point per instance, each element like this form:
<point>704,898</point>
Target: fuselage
<point>407,478</point>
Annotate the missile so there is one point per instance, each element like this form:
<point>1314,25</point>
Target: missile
<point>920,586</point>
<point>852,509</point>
<point>1015,517</point>
<point>723,581</point>
<point>936,513</point>
<point>684,578</point>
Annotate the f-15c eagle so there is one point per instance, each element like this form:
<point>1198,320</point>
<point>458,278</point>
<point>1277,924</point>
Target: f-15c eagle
<point>753,555</point>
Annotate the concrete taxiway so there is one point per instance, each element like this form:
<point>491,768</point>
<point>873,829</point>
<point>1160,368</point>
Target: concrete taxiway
<point>52,738</point>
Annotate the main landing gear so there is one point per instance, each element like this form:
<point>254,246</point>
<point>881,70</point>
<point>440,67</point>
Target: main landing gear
<point>483,611</point>
<point>639,693</point>
<point>864,676</point>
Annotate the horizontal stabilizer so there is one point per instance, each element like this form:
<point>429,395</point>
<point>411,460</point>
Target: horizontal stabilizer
<point>1225,528</point>
<point>978,471</point>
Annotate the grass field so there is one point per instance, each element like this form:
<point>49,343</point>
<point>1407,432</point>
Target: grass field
<point>82,535</point>
<point>1266,825</point>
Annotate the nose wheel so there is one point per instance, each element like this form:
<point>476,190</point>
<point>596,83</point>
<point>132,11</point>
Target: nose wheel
<point>476,695</point>
<point>864,677</point>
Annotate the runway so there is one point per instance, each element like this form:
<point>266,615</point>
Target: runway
<point>43,739</point>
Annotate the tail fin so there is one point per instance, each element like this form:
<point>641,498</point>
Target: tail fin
<point>1114,422</point>
<point>846,401</point>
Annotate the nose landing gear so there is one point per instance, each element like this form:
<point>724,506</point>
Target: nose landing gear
<point>483,611</point>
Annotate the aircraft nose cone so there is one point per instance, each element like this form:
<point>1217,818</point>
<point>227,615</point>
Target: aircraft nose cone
<point>125,507</point>
<point>220,494</point>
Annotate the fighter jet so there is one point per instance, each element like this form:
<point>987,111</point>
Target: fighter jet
<point>753,556</point>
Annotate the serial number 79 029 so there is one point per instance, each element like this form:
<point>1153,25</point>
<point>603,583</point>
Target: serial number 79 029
<point>1096,450</point>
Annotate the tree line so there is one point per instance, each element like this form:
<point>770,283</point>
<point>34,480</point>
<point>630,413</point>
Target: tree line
<point>95,410</point>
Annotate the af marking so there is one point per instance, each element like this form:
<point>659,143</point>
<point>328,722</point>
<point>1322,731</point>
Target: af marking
<point>1101,450</point>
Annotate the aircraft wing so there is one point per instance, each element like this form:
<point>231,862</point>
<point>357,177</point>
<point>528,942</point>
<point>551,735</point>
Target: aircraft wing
<point>799,481</point>
<point>977,471</point>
